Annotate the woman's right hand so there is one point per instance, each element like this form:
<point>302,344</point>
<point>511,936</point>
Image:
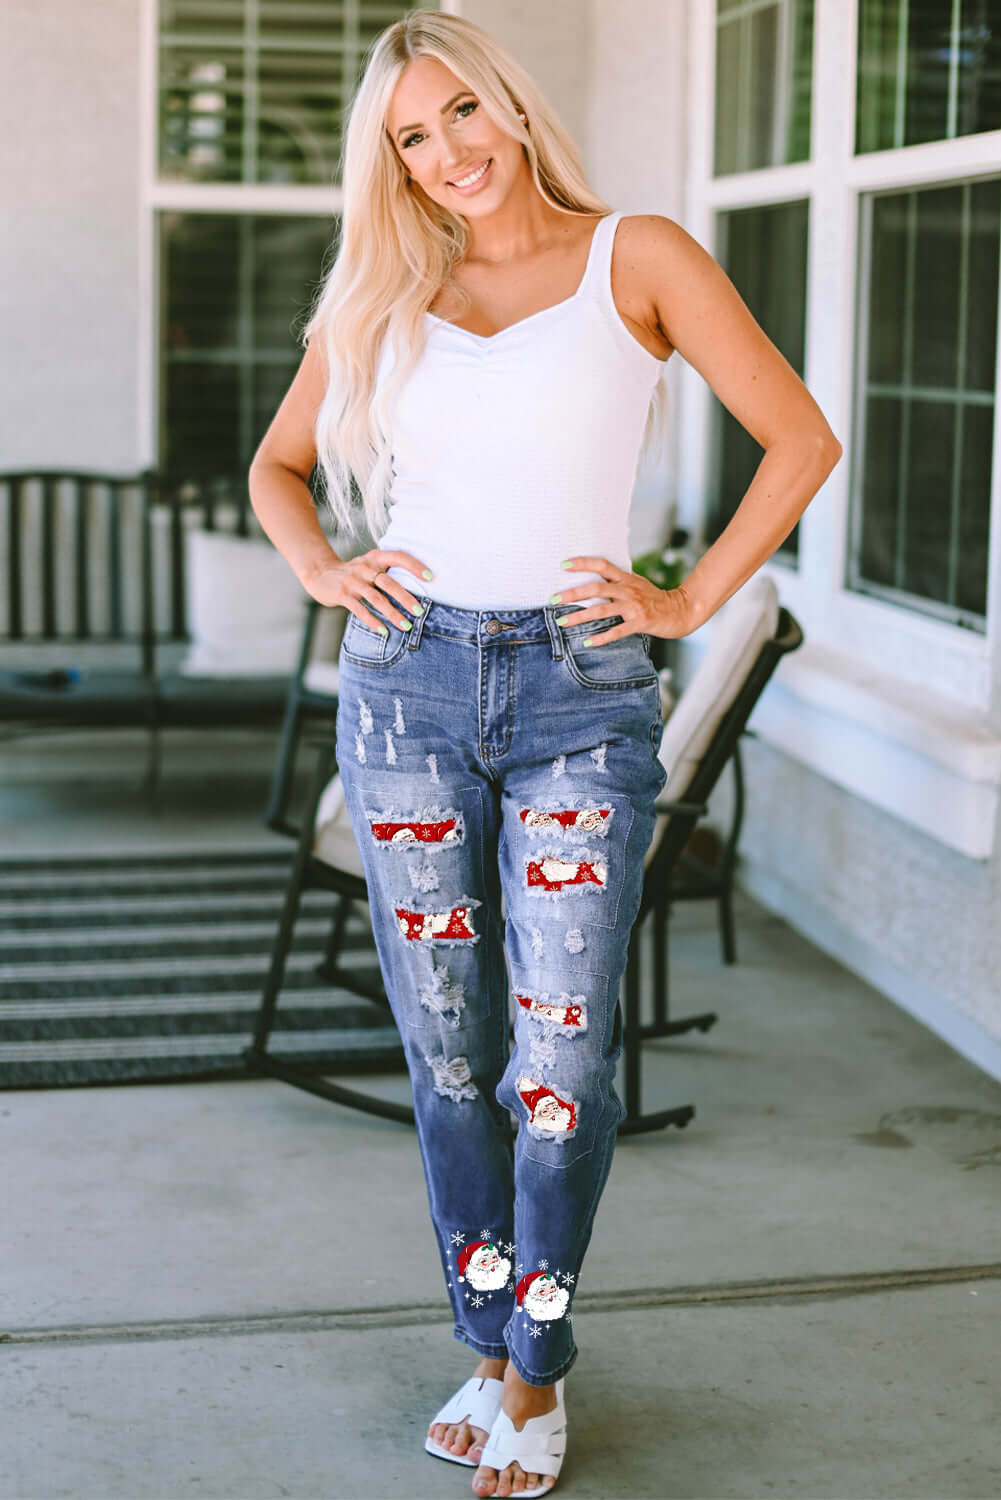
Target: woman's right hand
<point>352,584</point>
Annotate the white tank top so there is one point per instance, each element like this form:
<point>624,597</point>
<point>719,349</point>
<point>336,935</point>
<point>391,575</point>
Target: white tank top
<point>515,450</point>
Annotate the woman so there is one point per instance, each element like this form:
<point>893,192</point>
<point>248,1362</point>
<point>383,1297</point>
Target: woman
<point>484,358</point>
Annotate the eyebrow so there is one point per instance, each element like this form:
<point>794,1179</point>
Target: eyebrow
<point>444,110</point>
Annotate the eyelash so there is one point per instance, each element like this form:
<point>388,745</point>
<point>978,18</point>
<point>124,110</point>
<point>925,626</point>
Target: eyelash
<point>466,104</point>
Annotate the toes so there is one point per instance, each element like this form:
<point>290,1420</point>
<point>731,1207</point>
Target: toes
<point>485,1481</point>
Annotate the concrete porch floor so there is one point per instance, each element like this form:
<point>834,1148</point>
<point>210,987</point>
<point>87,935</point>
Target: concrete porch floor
<point>231,1290</point>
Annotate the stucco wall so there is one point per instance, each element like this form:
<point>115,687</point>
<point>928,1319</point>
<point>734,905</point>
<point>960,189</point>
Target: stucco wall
<point>552,42</point>
<point>918,920</point>
<point>68,262</point>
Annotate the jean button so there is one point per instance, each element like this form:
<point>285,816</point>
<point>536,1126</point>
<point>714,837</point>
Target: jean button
<point>493,627</point>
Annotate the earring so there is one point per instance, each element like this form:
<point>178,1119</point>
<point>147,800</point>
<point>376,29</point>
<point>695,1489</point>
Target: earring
<point>522,117</point>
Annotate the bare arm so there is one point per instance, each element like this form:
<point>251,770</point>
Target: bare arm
<point>282,502</point>
<point>700,311</point>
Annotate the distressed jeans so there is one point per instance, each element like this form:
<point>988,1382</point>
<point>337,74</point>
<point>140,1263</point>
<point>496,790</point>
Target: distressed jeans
<point>500,777</point>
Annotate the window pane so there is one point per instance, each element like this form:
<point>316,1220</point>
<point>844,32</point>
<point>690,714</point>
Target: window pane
<point>922,511</point>
<point>256,92</point>
<point>928,70</point>
<point>764,63</point>
<point>763,251</point>
<point>235,289</point>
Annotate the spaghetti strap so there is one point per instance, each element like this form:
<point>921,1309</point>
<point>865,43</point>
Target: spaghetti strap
<point>597,280</point>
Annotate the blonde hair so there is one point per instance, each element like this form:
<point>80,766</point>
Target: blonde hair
<point>398,248</point>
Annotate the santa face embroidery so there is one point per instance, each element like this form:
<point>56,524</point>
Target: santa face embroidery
<point>541,1297</point>
<point>572,1015</point>
<point>553,874</point>
<point>483,1266</point>
<point>583,820</point>
<point>546,1109</point>
<point>453,926</point>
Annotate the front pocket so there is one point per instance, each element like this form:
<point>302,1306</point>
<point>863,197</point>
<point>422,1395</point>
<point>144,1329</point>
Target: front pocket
<point>624,663</point>
<point>367,648</point>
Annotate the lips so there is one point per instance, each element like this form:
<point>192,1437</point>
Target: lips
<point>481,168</point>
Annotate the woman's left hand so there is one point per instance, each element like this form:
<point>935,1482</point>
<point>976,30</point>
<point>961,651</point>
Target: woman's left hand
<point>645,609</point>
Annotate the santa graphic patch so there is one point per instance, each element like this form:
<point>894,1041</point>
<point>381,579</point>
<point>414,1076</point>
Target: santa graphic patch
<point>483,1266</point>
<point>566,819</point>
<point>541,1297</point>
<point>452,926</point>
<point>434,833</point>
<point>551,873</point>
<point>568,1011</point>
<point>547,1110</point>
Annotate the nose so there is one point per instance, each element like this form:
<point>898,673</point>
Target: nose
<point>452,153</point>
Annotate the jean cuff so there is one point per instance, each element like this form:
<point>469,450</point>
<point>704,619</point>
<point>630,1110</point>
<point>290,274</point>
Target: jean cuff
<point>489,1351</point>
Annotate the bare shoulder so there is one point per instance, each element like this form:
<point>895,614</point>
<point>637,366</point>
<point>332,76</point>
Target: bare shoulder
<point>701,313</point>
<point>662,253</point>
<point>641,252</point>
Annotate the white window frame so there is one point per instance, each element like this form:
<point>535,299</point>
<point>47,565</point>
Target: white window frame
<point>872,647</point>
<point>156,195</point>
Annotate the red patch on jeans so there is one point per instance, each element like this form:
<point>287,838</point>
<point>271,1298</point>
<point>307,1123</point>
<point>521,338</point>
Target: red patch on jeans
<point>445,832</point>
<point>435,926</point>
<point>546,1109</point>
<point>552,874</point>
<point>586,819</point>
<point>561,1015</point>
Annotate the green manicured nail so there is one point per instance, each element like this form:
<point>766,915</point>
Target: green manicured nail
<point>563,620</point>
<point>589,641</point>
<point>427,573</point>
<point>406,625</point>
<point>418,609</point>
<point>383,629</point>
<point>564,564</point>
<point>556,599</point>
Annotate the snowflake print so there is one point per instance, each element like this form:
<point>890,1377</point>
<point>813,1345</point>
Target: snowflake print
<point>535,1331</point>
<point>510,1286</point>
<point>567,1278</point>
<point>485,1235</point>
<point>477,1302</point>
<point>508,1248</point>
<point>519,1268</point>
<point>457,1238</point>
<point>543,1265</point>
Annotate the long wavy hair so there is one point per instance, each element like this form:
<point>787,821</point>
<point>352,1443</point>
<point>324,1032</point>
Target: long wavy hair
<point>398,248</point>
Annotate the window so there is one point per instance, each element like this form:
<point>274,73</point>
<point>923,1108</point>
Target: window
<point>764,51</point>
<point>873,262</point>
<point>763,251</point>
<point>926,398</point>
<point>928,70</point>
<point>250,104</point>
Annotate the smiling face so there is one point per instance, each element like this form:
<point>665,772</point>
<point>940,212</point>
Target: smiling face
<point>444,136</point>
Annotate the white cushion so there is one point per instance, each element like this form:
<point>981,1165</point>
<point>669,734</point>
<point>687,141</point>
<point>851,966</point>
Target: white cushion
<point>737,633</point>
<point>322,677</point>
<point>333,836</point>
<point>245,607</point>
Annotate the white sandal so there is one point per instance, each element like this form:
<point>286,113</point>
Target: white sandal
<point>477,1402</point>
<point>539,1446</point>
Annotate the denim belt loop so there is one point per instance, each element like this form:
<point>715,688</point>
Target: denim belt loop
<point>414,637</point>
<point>555,637</point>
